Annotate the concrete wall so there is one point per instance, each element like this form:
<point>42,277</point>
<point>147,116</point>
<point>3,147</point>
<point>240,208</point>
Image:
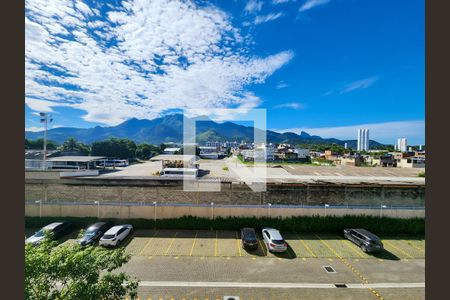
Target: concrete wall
<point>165,212</point>
<point>172,192</point>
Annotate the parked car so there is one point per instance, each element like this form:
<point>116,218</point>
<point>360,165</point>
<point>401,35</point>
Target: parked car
<point>249,239</point>
<point>58,230</point>
<point>94,233</point>
<point>368,242</point>
<point>115,235</point>
<point>273,240</point>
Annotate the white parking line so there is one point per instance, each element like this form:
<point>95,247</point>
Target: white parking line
<point>283,285</point>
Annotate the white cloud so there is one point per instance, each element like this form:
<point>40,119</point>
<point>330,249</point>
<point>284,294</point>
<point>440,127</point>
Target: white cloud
<point>281,85</point>
<point>253,6</point>
<point>40,105</point>
<point>386,132</point>
<point>291,105</point>
<point>275,2</point>
<point>312,3</point>
<point>360,84</point>
<point>267,18</point>
<point>34,129</point>
<point>139,59</point>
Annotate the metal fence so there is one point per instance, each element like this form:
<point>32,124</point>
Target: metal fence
<point>143,203</point>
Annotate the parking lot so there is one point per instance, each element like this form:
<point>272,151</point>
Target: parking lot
<point>227,244</point>
<point>217,243</point>
<point>208,264</point>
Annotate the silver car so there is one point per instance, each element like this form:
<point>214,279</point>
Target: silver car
<point>273,240</point>
<point>115,235</point>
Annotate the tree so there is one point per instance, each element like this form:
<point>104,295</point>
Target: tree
<point>145,151</point>
<point>71,144</point>
<point>39,144</point>
<point>120,148</point>
<point>72,272</point>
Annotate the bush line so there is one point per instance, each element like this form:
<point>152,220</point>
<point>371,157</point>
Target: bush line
<point>303,224</point>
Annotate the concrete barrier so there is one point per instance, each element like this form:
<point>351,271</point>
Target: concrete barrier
<point>128,211</point>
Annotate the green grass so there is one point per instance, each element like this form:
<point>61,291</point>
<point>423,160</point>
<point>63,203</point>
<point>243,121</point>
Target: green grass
<point>316,224</point>
<point>421,174</point>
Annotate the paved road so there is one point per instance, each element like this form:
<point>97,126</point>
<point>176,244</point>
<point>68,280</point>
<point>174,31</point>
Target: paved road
<point>271,278</point>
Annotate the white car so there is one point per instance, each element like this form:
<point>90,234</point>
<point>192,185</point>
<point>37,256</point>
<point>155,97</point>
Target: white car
<point>115,235</point>
<point>273,240</point>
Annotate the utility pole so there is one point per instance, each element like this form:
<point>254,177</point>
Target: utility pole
<point>45,118</point>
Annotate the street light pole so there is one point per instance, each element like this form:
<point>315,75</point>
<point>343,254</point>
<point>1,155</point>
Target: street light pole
<point>269,205</point>
<point>154,214</point>
<point>326,205</point>
<point>45,118</point>
<point>381,210</point>
<point>40,207</point>
<point>212,210</point>
<point>98,209</point>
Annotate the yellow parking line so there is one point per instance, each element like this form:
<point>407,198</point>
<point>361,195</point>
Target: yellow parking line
<point>215,245</point>
<point>148,243</point>
<point>398,249</point>
<point>345,242</point>
<point>262,248</point>
<point>170,245</point>
<point>237,244</point>
<point>306,246</point>
<point>193,243</point>
<point>415,247</point>
<point>329,247</point>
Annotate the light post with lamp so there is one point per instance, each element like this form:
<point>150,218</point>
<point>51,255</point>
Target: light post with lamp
<point>268,207</point>
<point>98,208</point>
<point>40,208</point>
<point>381,210</point>
<point>45,118</point>
<point>154,214</point>
<point>326,205</point>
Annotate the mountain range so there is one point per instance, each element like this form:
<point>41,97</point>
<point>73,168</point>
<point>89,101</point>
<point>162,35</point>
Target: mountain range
<point>169,128</point>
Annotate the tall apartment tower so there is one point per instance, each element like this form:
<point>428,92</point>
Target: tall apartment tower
<point>363,140</point>
<point>402,144</point>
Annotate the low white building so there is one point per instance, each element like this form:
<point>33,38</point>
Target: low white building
<point>171,150</point>
<point>302,153</point>
<point>262,152</point>
<point>412,162</point>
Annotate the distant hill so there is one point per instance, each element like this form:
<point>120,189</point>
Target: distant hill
<point>170,129</point>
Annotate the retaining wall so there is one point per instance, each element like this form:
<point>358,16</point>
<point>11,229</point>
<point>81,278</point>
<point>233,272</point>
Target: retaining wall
<point>165,212</point>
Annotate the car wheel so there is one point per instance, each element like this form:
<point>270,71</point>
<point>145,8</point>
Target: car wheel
<point>363,248</point>
<point>118,242</point>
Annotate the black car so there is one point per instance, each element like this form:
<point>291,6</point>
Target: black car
<point>94,233</point>
<point>57,229</point>
<point>249,239</point>
<point>367,241</point>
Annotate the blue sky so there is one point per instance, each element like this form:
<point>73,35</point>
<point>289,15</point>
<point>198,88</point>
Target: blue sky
<point>326,67</point>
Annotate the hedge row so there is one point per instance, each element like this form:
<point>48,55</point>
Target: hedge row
<point>317,224</point>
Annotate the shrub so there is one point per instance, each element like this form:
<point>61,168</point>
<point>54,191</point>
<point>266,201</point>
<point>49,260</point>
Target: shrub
<point>318,224</point>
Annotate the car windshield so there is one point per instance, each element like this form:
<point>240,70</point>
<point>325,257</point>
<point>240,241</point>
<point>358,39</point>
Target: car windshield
<point>250,237</point>
<point>278,242</point>
<point>40,233</point>
<point>90,232</point>
<point>108,236</point>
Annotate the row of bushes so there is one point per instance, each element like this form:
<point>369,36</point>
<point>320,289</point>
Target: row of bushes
<point>317,224</point>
